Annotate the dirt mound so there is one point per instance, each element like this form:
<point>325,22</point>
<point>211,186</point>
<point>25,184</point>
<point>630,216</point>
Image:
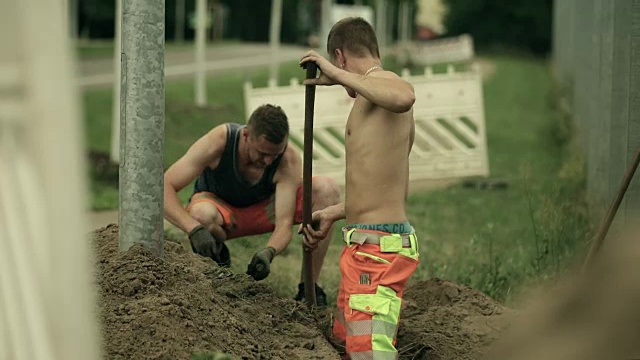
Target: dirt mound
<point>183,304</point>
<point>445,321</point>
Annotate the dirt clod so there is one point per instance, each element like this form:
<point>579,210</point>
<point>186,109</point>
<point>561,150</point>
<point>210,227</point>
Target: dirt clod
<point>182,304</point>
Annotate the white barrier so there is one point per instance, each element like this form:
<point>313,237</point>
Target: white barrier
<point>47,306</point>
<point>437,51</point>
<point>450,139</point>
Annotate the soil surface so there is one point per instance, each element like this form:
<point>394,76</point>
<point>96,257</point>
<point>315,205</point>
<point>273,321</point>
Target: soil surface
<point>442,320</point>
<point>182,304</point>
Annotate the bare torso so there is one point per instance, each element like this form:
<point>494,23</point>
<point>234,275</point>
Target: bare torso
<point>378,143</point>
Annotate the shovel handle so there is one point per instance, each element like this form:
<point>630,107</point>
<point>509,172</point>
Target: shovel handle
<point>309,105</point>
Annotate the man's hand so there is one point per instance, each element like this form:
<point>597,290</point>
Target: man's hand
<point>203,243</point>
<point>260,265</point>
<point>321,223</point>
<point>328,72</point>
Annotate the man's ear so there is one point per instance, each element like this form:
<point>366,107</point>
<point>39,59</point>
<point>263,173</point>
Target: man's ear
<point>342,62</point>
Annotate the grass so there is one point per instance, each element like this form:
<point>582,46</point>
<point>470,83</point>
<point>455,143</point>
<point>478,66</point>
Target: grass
<point>501,241</point>
<point>497,241</point>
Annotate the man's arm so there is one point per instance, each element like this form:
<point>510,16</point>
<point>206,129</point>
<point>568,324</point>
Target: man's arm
<point>336,212</point>
<point>383,88</point>
<point>206,151</point>
<point>287,182</point>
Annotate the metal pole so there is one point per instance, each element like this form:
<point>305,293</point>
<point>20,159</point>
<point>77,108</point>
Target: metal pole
<point>73,19</point>
<point>201,56</point>
<point>307,260</point>
<point>403,22</point>
<point>274,37</point>
<point>142,128</point>
<point>326,23</point>
<point>115,114</point>
<point>381,22</point>
<point>179,31</point>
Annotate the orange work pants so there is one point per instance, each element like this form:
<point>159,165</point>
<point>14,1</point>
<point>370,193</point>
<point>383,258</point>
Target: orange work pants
<point>375,267</point>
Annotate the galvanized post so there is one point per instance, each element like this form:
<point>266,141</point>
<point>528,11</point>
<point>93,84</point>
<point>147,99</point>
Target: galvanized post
<point>142,125</point>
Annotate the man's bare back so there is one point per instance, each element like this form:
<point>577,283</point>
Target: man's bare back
<point>378,143</point>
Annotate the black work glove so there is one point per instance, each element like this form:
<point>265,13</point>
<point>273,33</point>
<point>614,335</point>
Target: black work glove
<point>260,264</point>
<point>203,243</point>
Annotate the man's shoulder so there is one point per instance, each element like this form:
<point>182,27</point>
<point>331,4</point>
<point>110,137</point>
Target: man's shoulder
<point>291,155</point>
<point>215,141</point>
<point>290,165</point>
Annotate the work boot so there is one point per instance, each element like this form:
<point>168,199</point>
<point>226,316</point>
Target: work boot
<point>321,297</point>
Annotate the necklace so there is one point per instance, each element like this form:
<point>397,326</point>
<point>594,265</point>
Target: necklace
<point>372,68</point>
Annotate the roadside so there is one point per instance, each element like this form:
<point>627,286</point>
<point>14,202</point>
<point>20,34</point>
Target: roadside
<point>96,72</point>
<point>180,62</point>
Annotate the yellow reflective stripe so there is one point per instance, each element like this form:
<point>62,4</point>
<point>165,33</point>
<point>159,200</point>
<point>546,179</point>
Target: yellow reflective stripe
<point>368,327</point>
<point>373,355</point>
<point>362,355</point>
<point>387,329</point>
<point>377,258</point>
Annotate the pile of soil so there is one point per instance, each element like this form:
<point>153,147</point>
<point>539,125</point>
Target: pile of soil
<point>171,308</point>
<point>182,304</point>
<point>442,320</point>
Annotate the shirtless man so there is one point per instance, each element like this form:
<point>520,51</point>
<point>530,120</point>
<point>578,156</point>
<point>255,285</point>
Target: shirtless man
<point>381,250</point>
<point>248,182</point>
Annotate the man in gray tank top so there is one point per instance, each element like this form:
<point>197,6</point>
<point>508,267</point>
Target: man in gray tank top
<point>247,182</point>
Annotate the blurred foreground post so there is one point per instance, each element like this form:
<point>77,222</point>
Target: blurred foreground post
<point>201,52</point>
<point>47,306</point>
<point>142,125</point>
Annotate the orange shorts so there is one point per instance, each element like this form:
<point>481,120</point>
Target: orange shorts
<point>255,219</point>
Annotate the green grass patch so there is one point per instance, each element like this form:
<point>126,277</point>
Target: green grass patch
<point>501,241</point>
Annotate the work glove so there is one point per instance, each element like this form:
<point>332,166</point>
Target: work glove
<point>259,267</point>
<point>225,256</point>
<point>203,243</point>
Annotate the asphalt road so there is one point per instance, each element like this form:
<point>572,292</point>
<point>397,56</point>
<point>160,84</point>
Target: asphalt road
<point>181,63</point>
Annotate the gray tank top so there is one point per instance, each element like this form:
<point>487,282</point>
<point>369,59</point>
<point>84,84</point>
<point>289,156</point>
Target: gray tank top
<point>225,181</point>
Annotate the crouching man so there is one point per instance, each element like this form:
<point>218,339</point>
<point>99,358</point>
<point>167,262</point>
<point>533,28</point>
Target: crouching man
<point>248,182</point>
